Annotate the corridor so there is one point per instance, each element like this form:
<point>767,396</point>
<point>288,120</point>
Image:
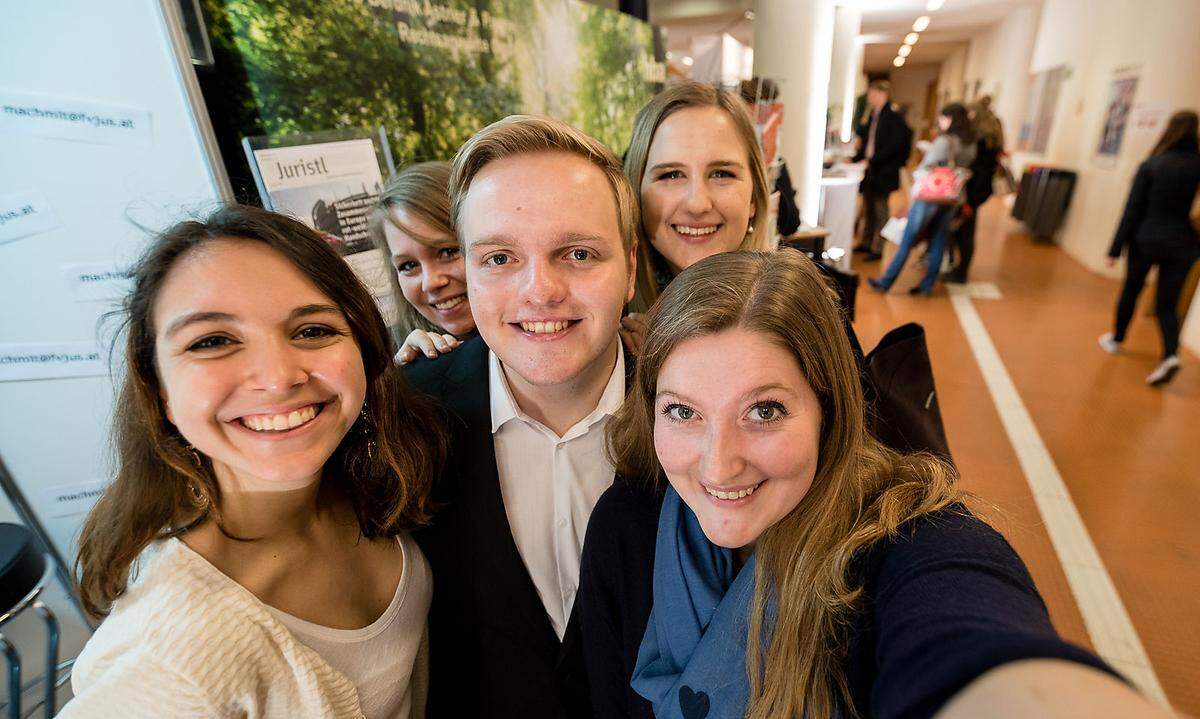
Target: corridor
<point>1126,453</point>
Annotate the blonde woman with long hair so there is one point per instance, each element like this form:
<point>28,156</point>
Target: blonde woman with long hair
<point>696,164</point>
<point>760,555</point>
<point>411,226</point>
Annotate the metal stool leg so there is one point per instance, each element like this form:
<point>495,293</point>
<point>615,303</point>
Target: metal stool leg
<point>51,656</point>
<point>14,677</point>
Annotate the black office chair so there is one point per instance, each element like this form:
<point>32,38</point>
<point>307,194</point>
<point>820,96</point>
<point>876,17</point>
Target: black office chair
<point>22,566</point>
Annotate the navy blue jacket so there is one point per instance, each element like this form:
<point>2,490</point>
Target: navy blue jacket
<point>943,603</point>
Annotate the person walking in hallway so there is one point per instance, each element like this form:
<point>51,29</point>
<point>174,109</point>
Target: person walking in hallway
<point>1156,230</point>
<point>955,148</point>
<point>884,143</point>
<point>988,148</point>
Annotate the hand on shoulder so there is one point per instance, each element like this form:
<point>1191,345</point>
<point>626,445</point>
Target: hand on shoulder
<point>431,344</point>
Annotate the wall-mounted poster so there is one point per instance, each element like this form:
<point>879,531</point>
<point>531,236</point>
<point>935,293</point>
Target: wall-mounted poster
<point>430,72</point>
<point>1121,92</point>
<point>1044,90</point>
<point>329,181</point>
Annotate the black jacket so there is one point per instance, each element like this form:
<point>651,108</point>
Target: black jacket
<point>944,600</point>
<point>788,219</point>
<point>493,650</point>
<point>983,170</point>
<point>1156,214</point>
<point>893,142</point>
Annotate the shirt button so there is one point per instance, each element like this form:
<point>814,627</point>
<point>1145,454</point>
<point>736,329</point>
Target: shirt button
<point>562,522</point>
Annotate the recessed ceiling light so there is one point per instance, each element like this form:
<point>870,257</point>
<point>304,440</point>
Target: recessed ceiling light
<point>898,62</point>
<point>934,5</point>
<point>921,23</point>
<point>669,54</point>
<point>749,14</point>
<point>687,61</point>
<point>904,50</point>
<point>911,38</point>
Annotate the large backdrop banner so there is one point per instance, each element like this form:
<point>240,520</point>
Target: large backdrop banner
<point>430,72</point>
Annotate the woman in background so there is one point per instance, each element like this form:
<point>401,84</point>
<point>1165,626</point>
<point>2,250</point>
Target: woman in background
<point>1156,230</point>
<point>760,555</point>
<point>988,148</point>
<point>411,226</point>
<point>698,169</point>
<point>252,556</point>
<point>953,147</point>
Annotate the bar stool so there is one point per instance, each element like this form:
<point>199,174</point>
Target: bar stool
<point>22,566</point>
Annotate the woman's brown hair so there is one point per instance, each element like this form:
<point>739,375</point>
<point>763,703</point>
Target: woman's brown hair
<point>162,488</point>
<point>1182,133</point>
<point>862,492</point>
<point>645,125</point>
<point>421,190</point>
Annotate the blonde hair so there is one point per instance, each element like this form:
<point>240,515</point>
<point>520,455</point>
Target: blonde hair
<point>661,106</point>
<point>862,491</point>
<point>423,190</point>
<point>528,134</point>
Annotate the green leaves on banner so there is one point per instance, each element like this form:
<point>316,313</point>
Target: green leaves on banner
<point>431,72</point>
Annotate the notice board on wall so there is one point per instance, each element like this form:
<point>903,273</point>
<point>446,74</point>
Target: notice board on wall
<point>102,146</point>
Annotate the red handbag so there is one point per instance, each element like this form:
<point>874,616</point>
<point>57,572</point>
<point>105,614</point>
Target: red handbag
<point>941,185</point>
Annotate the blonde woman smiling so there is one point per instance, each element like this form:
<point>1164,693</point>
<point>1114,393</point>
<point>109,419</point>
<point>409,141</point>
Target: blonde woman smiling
<point>761,556</point>
<point>411,226</point>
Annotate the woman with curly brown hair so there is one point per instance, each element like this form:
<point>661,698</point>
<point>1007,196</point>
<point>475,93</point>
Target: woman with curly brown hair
<point>252,556</point>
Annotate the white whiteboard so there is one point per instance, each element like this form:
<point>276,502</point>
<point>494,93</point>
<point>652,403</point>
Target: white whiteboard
<point>117,54</point>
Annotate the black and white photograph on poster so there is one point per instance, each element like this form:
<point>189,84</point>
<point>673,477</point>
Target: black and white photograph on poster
<point>336,209</point>
<point>1121,92</point>
<point>329,181</point>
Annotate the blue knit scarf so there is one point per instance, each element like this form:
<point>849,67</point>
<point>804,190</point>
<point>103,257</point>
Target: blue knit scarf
<point>692,661</point>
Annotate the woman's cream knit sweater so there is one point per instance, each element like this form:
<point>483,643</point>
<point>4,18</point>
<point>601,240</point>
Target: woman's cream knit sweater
<point>187,641</point>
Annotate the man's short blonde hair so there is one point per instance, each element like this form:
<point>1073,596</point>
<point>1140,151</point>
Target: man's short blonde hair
<point>528,134</point>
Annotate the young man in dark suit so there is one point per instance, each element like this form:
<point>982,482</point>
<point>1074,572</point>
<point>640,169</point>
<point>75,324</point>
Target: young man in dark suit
<point>547,223</point>
<point>884,142</point>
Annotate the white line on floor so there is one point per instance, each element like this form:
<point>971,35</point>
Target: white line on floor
<point>1103,612</point>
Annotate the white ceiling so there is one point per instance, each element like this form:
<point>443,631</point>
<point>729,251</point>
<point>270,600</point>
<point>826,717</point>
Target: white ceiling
<point>885,23</point>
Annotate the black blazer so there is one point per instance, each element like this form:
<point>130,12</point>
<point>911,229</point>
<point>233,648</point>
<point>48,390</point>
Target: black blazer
<point>493,650</point>
<point>893,142</point>
<point>1156,214</point>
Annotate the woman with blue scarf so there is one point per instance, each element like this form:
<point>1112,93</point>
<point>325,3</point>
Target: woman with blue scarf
<point>790,565</point>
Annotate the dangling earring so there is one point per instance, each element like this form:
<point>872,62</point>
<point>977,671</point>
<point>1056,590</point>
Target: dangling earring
<point>366,429</point>
<point>199,498</point>
<point>195,456</point>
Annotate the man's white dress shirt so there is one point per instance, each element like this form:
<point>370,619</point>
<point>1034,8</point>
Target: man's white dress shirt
<point>550,485</point>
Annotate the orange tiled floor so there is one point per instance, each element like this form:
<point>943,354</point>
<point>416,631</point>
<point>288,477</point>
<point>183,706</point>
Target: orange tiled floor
<point>1129,454</point>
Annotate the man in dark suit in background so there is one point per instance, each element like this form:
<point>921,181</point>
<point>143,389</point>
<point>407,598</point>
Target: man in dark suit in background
<point>547,222</point>
<point>884,142</point>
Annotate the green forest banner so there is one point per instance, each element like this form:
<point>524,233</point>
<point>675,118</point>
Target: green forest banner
<point>430,72</point>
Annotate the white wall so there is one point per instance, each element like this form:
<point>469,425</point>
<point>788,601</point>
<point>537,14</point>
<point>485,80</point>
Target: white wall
<point>998,60</point>
<point>950,77</point>
<point>909,86</point>
<point>1157,39</point>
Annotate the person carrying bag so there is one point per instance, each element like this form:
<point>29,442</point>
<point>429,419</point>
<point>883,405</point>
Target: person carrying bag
<point>937,191</point>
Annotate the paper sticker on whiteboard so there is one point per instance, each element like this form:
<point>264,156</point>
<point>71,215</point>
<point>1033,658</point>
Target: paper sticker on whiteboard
<point>24,214</point>
<point>96,281</point>
<point>70,118</point>
<point>66,500</point>
<point>51,360</point>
